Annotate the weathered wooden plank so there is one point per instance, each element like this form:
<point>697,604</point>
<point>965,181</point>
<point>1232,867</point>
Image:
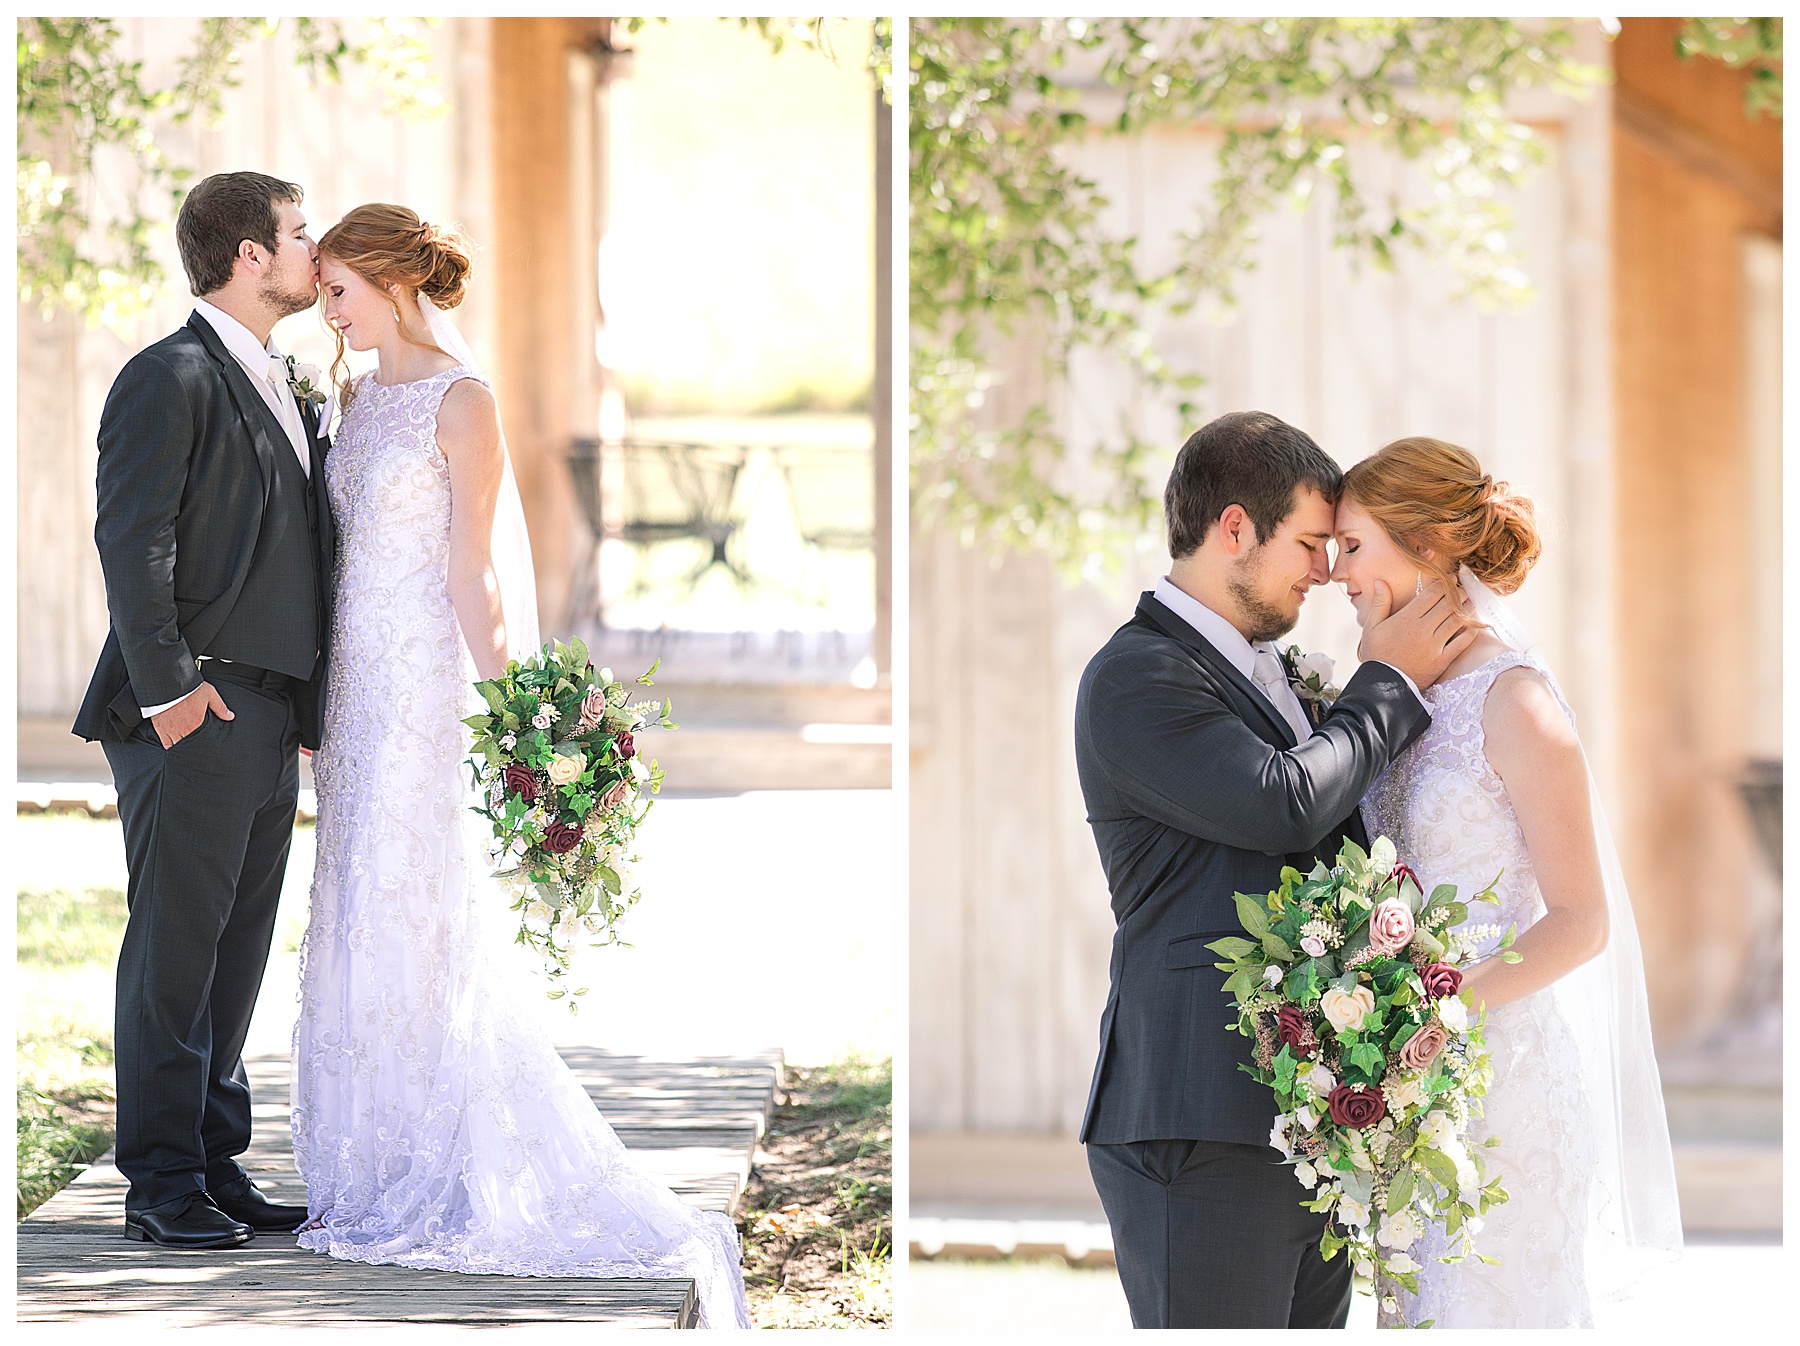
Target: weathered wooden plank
<point>694,1124</point>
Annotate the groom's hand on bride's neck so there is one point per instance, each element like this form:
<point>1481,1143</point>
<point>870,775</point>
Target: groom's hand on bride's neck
<point>1422,639</point>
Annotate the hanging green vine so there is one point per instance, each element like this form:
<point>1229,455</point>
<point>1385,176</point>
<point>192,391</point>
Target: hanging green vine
<point>94,253</point>
<point>1742,44</point>
<point>1007,236</point>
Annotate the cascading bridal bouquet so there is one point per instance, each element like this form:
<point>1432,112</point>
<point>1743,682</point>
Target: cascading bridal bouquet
<point>1349,983</point>
<point>563,784</point>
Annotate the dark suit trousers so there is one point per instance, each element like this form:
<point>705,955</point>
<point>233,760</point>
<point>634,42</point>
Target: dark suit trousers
<point>1210,1234</point>
<point>207,828</point>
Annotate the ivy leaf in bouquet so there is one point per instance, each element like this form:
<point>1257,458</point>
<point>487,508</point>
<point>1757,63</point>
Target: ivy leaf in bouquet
<point>565,785</point>
<point>1348,980</point>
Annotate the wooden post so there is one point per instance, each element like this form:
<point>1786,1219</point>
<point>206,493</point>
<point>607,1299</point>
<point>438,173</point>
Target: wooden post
<point>545,302</point>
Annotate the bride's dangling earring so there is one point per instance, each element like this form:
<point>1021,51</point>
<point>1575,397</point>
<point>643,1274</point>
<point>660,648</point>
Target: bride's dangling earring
<point>1418,586</point>
<point>396,308</point>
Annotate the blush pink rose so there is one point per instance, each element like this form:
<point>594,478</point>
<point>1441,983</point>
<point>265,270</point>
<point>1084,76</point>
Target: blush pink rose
<point>593,707</point>
<point>615,796</point>
<point>1422,1047</point>
<point>1391,926</point>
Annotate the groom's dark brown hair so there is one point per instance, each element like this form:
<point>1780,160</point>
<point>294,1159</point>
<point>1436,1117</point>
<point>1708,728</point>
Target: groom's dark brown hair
<point>219,213</point>
<point>1246,458</point>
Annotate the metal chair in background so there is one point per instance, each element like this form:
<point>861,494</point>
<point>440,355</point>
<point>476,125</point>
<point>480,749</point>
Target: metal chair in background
<point>673,491</point>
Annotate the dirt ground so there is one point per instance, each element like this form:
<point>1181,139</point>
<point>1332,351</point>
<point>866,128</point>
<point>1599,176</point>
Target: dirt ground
<point>817,1216</point>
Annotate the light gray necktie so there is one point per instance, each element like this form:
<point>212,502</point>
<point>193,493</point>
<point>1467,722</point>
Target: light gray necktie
<point>288,410</point>
<point>1271,680</point>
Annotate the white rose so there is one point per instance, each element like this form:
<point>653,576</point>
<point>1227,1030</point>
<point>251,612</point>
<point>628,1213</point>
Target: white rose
<point>543,719</point>
<point>639,770</point>
<point>1391,1304</point>
<point>1453,1014</point>
<point>1401,1264</point>
<point>1313,946</point>
<point>538,917</point>
<point>606,675</point>
<point>1473,1224</point>
<point>508,742</point>
<point>1272,975</point>
<point>1308,1175</point>
<point>1353,1213</point>
<point>1314,665</point>
<point>1404,1093</point>
<point>1347,1009</point>
<point>1435,1128</point>
<point>1365,1269</point>
<point>565,770</point>
<point>309,374</point>
<point>1320,1080</point>
<point>1400,1230</point>
<point>1307,1117</point>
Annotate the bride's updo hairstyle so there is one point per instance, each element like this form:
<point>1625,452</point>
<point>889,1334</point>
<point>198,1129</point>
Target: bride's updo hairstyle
<point>1429,495</point>
<point>390,245</point>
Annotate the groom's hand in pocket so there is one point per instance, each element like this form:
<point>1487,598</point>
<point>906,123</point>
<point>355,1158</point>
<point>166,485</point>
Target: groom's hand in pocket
<point>1422,639</point>
<point>188,714</point>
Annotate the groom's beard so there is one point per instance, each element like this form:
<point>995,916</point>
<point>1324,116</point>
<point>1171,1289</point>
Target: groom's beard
<point>1264,620</point>
<point>286,302</point>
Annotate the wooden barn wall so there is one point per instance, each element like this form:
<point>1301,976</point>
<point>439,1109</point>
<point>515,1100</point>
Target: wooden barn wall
<point>1010,922</point>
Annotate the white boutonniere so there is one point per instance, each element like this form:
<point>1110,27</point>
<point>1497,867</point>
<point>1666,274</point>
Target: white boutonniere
<point>1310,676</point>
<point>306,382</point>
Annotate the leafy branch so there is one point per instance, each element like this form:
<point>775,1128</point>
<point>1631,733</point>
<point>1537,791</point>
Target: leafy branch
<point>1007,236</point>
<point>92,251</point>
<point>1753,44</point>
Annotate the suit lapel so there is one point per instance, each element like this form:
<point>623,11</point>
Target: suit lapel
<point>1152,611</point>
<point>265,430</point>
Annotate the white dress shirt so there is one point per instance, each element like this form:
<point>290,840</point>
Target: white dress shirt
<point>1242,655</point>
<point>267,369</point>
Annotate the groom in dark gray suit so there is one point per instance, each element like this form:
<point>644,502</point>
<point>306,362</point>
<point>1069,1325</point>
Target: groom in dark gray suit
<point>1204,774</point>
<point>215,538</point>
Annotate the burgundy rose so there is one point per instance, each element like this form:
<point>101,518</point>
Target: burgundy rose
<point>521,782</point>
<point>560,837</point>
<point>615,796</point>
<point>1422,1047</point>
<point>625,746</point>
<point>1391,926</point>
<point>1355,1105</point>
<point>1440,980</point>
<point>1291,1027</point>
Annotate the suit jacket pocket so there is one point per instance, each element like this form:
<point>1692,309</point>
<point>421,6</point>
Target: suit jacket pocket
<point>1191,950</point>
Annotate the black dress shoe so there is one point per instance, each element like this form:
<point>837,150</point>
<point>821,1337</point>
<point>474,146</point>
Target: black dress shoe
<point>201,1225</point>
<point>249,1206</point>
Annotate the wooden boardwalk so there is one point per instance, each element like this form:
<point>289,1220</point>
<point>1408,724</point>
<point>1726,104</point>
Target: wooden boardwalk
<point>694,1123</point>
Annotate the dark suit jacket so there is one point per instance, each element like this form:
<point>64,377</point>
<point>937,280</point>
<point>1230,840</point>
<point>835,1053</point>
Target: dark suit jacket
<point>189,453</point>
<point>1196,790</point>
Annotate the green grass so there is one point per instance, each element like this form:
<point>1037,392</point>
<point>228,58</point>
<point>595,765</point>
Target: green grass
<point>67,943</point>
<point>64,929</point>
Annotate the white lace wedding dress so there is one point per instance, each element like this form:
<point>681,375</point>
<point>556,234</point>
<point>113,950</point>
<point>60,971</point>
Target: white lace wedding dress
<point>1448,814</point>
<point>434,1123</point>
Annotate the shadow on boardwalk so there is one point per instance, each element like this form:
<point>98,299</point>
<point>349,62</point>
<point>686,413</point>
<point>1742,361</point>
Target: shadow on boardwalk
<point>693,1123</point>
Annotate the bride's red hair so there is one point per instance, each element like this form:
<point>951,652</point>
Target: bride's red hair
<point>1431,496</point>
<point>390,245</point>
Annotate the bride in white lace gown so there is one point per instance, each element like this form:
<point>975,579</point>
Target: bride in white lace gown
<point>434,1123</point>
<point>1497,784</point>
